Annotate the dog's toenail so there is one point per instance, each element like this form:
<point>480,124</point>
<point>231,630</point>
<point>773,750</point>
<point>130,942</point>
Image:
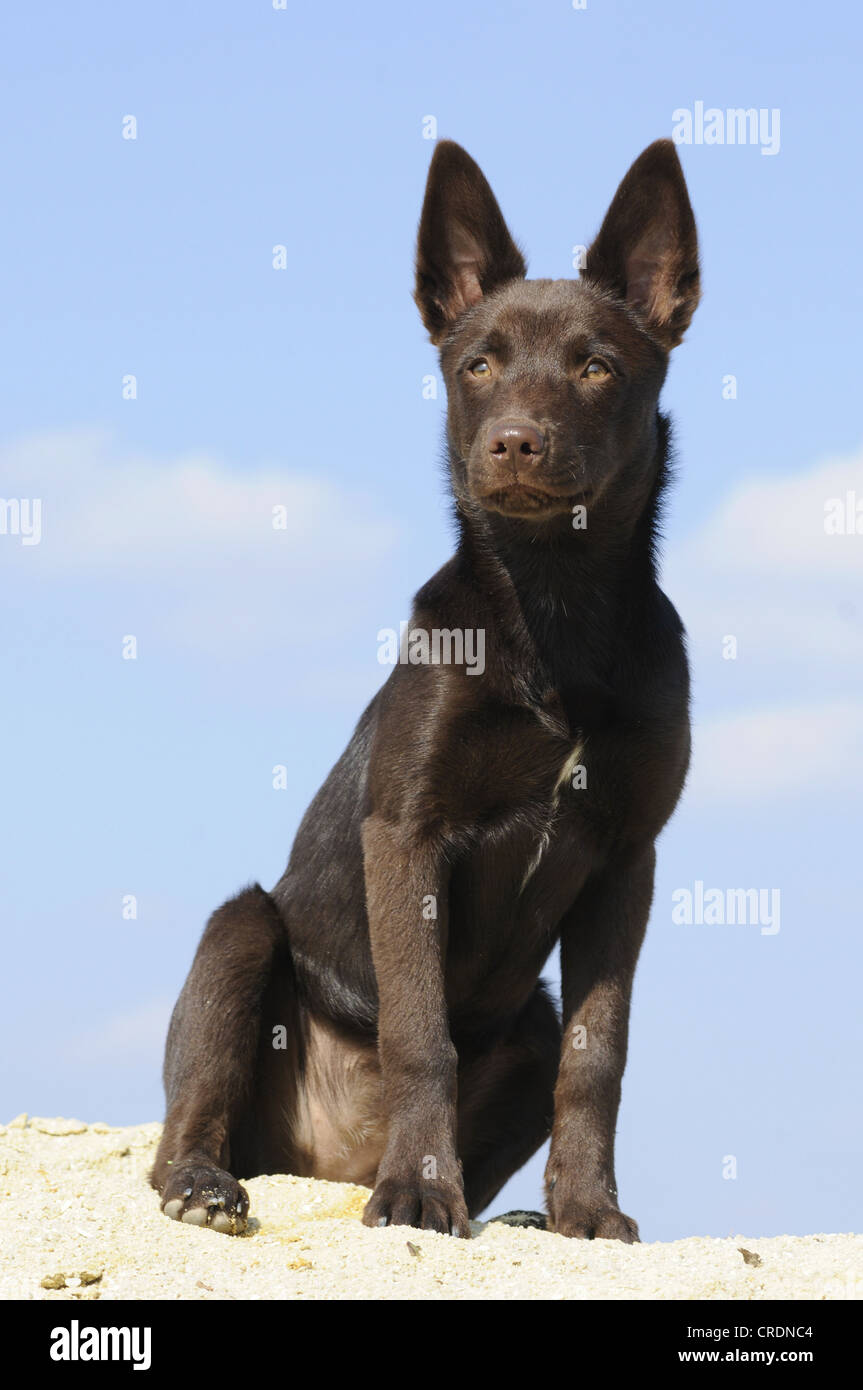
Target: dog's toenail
<point>196,1217</point>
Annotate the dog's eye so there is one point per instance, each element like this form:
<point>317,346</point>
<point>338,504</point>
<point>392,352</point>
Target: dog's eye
<point>595,370</point>
<point>480,368</point>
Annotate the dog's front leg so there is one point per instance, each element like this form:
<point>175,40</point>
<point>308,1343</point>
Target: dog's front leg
<point>600,942</point>
<point>419,1181</point>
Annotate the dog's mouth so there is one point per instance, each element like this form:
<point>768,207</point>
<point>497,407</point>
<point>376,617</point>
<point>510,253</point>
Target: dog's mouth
<point>518,500</point>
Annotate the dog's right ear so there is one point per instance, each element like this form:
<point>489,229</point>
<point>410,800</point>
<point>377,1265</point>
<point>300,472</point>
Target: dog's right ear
<point>464,248</point>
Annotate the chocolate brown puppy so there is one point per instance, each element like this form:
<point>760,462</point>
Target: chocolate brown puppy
<point>378,1017</point>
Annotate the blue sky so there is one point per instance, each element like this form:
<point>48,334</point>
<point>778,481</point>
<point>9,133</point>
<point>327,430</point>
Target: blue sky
<point>303,387</point>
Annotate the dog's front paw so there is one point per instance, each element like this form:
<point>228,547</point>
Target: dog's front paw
<point>592,1216</point>
<point>431,1204</point>
<point>607,1223</point>
<point>202,1195</point>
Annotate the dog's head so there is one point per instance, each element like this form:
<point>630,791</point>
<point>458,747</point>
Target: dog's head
<point>553,384</point>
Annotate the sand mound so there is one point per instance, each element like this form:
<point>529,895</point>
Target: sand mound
<point>78,1221</point>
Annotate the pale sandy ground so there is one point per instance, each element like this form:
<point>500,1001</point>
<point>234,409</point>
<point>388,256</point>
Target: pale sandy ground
<point>74,1203</point>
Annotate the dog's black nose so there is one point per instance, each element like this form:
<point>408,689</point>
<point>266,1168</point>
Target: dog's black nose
<point>515,443</point>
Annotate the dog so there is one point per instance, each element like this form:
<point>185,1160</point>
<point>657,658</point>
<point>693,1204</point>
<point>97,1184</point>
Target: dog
<point>379,1017</point>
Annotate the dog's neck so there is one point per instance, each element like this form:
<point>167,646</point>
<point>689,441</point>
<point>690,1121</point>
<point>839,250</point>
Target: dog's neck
<point>575,590</point>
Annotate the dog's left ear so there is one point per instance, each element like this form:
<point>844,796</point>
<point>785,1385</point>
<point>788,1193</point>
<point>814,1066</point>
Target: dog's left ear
<point>464,248</point>
<point>647,248</point>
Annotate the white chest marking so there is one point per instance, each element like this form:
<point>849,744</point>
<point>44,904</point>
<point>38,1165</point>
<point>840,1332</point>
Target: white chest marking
<point>564,779</point>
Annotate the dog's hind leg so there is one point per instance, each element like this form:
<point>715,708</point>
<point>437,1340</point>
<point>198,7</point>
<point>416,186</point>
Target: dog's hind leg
<point>506,1101</point>
<point>212,1061</point>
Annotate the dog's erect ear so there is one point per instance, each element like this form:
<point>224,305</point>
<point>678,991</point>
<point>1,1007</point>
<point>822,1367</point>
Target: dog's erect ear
<point>647,247</point>
<point>464,248</point>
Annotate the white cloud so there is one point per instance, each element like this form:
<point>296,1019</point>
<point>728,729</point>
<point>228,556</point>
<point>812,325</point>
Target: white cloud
<point>183,553</point>
<point>764,569</point>
<point>782,718</point>
<point>102,511</point>
<point>774,527</point>
<point>763,754</point>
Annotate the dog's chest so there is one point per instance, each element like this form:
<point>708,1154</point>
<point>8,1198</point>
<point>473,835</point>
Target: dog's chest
<point>555,808</point>
<point>571,776</point>
<point>536,840</point>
